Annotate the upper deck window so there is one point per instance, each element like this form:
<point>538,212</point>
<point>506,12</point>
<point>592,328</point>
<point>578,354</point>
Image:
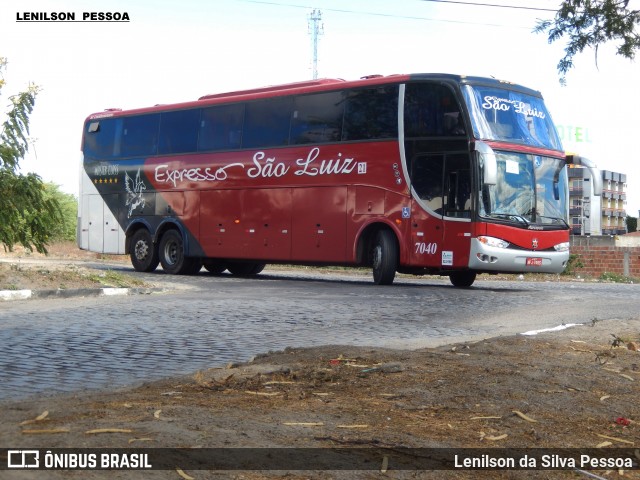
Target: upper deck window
<point>362,114</point>
<point>510,116</point>
<point>135,136</point>
<point>221,127</point>
<point>140,135</point>
<point>99,138</point>
<point>371,113</point>
<point>179,131</point>
<point>431,110</point>
<point>267,123</point>
<point>317,118</point>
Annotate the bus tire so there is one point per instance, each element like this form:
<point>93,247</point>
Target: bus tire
<point>195,265</point>
<point>384,257</point>
<point>245,269</point>
<point>143,253</point>
<point>462,279</point>
<point>172,257</point>
<point>258,268</point>
<point>213,267</point>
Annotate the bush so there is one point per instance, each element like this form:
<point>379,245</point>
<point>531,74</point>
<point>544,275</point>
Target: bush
<point>66,229</point>
<point>574,263</point>
<point>616,278</point>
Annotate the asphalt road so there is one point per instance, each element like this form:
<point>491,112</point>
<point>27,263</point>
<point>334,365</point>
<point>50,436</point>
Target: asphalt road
<point>66,345</point>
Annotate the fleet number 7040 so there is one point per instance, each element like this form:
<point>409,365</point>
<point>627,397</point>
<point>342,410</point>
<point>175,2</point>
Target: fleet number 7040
<point>426,248</point>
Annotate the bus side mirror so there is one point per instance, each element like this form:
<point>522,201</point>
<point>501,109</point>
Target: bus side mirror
<point>488,162</point>
<point>593,169</point>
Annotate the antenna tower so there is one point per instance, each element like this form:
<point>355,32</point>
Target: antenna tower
<point>315,30</point>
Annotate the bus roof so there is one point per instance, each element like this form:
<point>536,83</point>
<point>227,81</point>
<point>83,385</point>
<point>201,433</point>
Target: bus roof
<point>275,88</point>
<point>309,86</point>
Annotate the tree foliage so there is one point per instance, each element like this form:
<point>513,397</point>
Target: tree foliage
<point>589,24</point>
<point>632,224</point>
<point>66,229</point>
<point>27,214</point>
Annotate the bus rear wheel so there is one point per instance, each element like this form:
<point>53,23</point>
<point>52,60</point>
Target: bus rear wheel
<point>244,269</point>
<point>172,257</point>
<point>213,267</point>
<point>143,253</point>
<point>195,265</point>
<point>462,279</point>
<point>384,257</point>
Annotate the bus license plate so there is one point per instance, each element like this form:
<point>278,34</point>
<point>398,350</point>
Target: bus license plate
<point>534,262</point>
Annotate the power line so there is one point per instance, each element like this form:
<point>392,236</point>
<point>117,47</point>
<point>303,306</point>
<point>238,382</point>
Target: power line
<point>493,5</point>
<point>388,15</point>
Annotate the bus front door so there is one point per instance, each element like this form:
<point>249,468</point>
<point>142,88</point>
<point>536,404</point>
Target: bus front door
<point>456,223</point>
<point>441,214</point>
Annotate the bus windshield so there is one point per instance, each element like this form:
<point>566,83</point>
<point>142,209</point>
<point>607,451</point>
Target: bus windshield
<point>510,116</point>
<point>530,189</point>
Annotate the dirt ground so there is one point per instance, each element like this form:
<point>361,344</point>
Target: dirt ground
<point>65,268</point>
<point>578,387</point>
<point>565,389</point>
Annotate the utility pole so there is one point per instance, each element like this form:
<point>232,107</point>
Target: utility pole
<point>315,30</point>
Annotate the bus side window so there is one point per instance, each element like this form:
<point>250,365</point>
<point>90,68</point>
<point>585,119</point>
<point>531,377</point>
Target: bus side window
<point>317,118</point>
<point>99,138</point>
<point>140,135</point>
<point>371,113</point>
<point>426,179</point>
<point>457,177</point>
<point>179,131</point>
<point>221,127</point>
<point>431,110</point>
<point>267,123</point>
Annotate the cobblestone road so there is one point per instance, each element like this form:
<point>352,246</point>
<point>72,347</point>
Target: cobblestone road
<point>51,346</point>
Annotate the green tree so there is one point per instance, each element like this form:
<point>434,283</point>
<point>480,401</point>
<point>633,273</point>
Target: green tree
<point>66,229</point>
<point>589,24</point>
<point>27,215</point>
<point>632,224</point>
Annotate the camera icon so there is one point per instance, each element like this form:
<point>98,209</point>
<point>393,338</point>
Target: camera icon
<point>23,459</point>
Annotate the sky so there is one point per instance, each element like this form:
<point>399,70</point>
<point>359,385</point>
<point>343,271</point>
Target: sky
<point>178,50</point>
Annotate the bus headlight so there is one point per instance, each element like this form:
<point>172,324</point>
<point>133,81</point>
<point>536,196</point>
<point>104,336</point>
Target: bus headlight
<point>562,247</point>
<point>493,242</point>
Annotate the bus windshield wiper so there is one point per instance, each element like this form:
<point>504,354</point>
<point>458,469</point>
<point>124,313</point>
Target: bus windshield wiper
<point>510,216</point>
<point>557,219</point>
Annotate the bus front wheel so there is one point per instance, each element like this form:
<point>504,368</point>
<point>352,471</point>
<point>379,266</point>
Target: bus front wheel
<point>462,279</point>
<point>384,257</point>
<point>172,257</point>
<point>143,253</point>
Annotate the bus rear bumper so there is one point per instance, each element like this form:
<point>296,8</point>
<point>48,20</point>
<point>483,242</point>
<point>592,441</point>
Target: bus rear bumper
<point>508,260</point>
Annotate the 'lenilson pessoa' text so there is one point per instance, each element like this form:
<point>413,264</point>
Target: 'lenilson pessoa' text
<point>71,17</point>
<point>544,462</point>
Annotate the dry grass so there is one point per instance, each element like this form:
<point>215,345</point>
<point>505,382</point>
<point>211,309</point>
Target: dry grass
<point>62,250</point>
<point>62,268</point>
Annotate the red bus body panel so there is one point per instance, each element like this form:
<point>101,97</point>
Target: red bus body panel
<point>286,204</point>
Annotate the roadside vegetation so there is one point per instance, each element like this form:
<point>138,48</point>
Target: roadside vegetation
<point>68,268</point>
<point>19,276</point>
<point>617,278</point>
<point>65,230</point>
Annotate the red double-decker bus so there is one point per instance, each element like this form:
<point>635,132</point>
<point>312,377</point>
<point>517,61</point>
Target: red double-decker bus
<point>422,174</point>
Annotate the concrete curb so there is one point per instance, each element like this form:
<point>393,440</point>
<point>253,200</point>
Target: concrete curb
<point>9,295</point>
